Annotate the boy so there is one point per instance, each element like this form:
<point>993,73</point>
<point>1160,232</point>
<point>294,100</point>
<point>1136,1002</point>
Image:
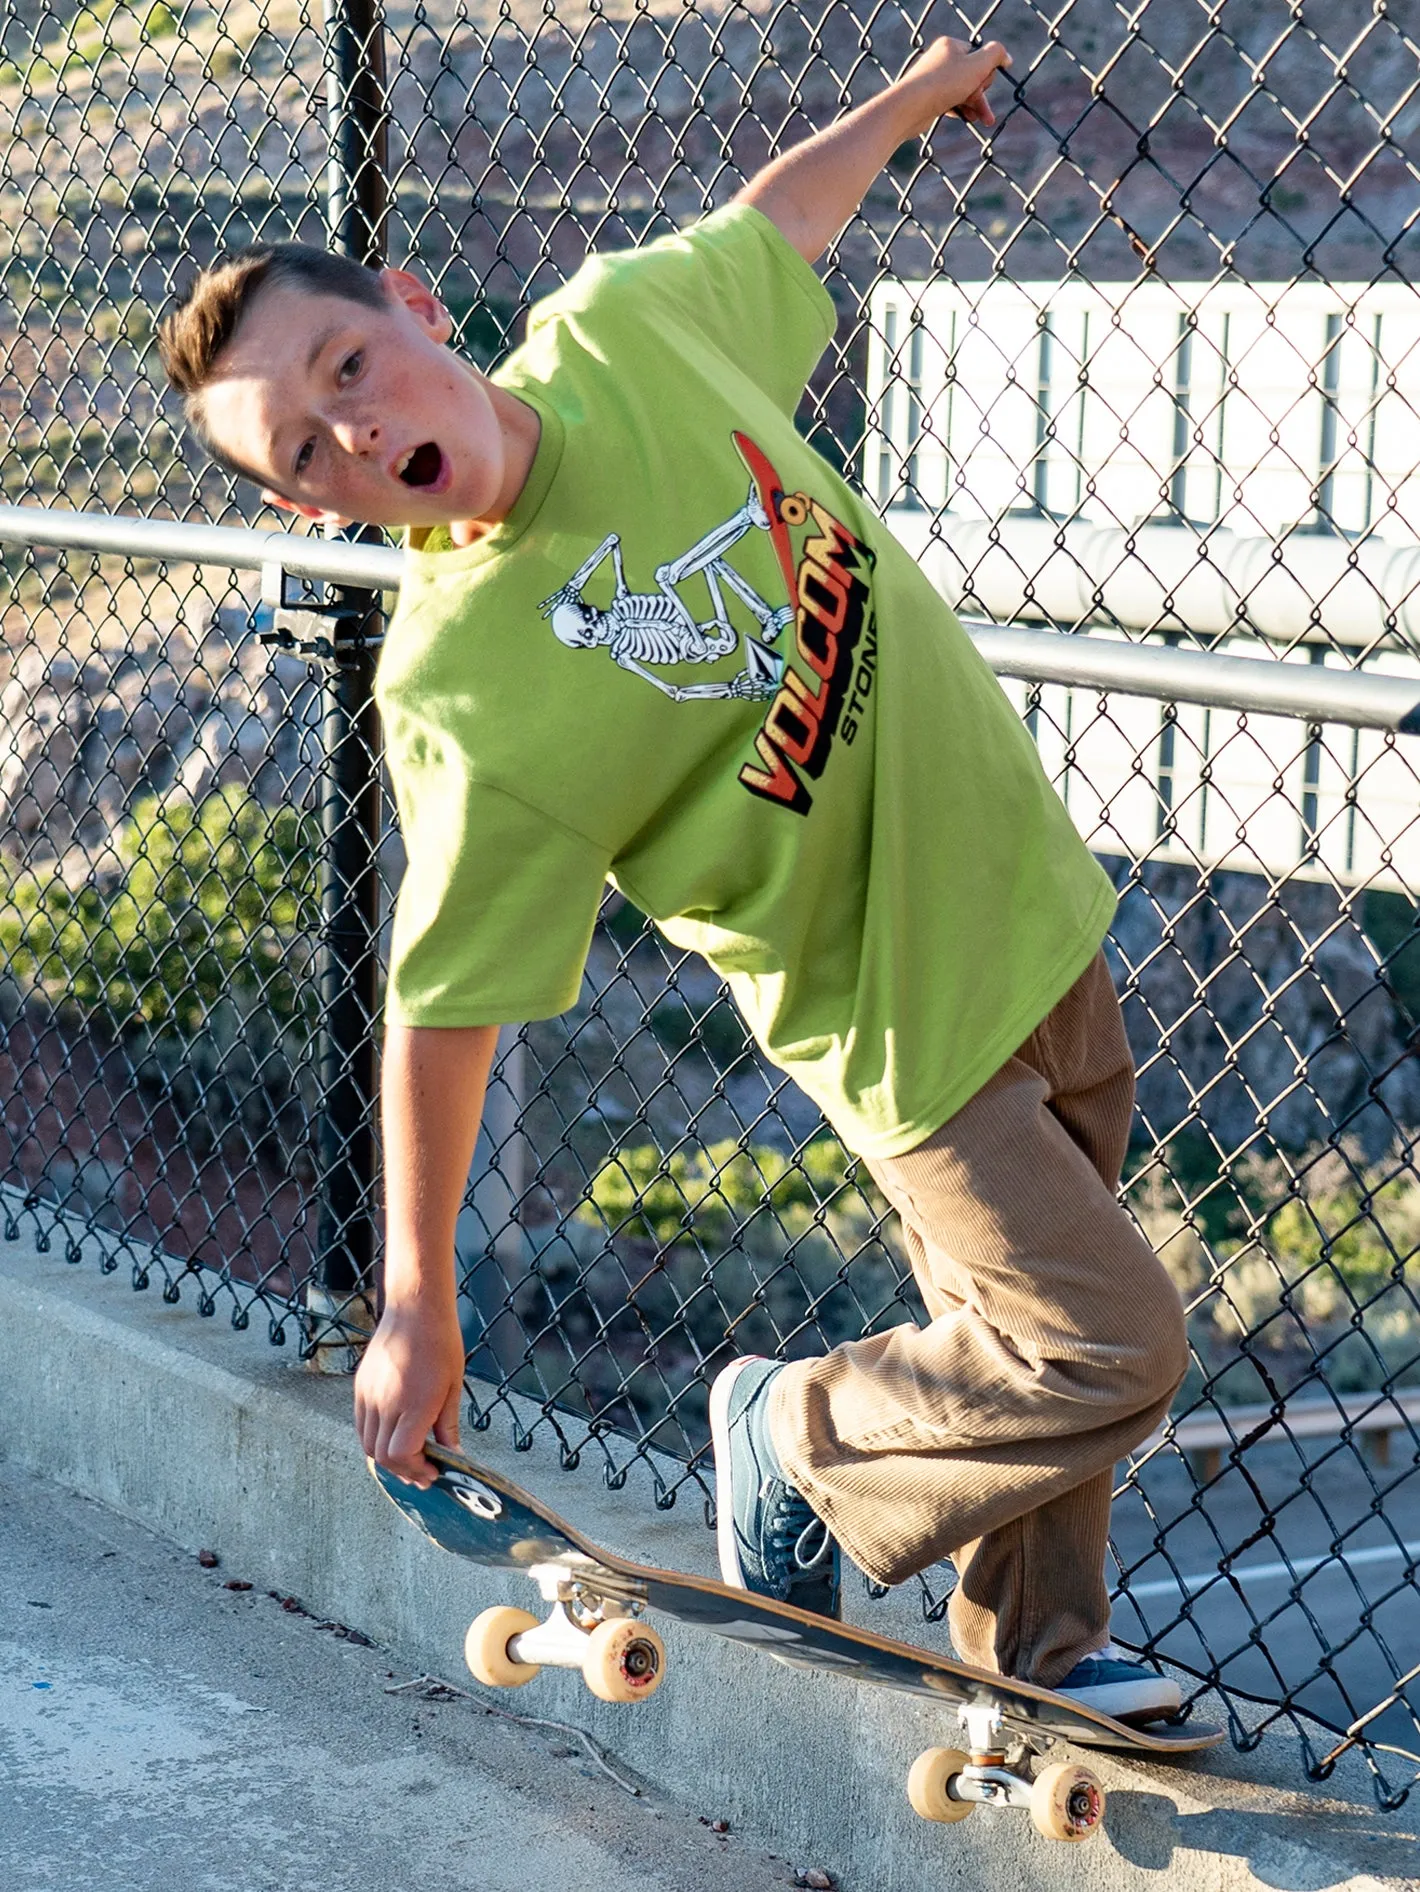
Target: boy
<point>647,634</point>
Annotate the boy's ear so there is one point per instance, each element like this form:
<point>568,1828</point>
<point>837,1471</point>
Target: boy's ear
<point>316,514</point>
<point>420,301</point>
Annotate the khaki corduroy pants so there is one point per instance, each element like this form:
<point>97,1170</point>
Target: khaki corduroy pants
<point>1055,1343</point>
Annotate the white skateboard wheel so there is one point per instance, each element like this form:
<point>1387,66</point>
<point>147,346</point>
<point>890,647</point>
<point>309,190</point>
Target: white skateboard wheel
<point>485,1648</point>
<point>1067,1802</point>
<point>624,1660</point>
<point>932,1773</point>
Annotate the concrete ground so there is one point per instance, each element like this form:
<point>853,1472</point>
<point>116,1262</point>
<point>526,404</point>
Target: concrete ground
<point>160,1730</point>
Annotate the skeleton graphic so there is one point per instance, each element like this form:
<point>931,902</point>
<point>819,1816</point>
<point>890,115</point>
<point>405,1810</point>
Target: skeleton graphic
<point>658,627</point>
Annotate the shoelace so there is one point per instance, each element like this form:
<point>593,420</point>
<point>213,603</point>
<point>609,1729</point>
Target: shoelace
<point>792,1530</point>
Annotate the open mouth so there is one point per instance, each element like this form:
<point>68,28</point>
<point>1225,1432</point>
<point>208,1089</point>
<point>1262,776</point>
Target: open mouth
<point>422,465</point>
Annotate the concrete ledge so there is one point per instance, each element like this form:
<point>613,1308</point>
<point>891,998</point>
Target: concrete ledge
<point>215,1438</point>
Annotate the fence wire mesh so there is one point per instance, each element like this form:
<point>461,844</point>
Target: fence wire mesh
<point>1141,359</point>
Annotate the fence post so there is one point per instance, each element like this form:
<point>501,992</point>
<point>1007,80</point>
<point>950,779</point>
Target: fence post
<point>340,1300</point>
<point>357,170</point>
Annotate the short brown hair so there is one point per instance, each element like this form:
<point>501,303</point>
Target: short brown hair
<point>193,335</point>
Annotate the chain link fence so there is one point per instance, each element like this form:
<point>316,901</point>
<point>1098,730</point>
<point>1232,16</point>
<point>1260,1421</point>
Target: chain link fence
<point>1142,360</point>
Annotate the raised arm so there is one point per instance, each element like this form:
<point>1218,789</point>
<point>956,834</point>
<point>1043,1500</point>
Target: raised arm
<point>812,191</point>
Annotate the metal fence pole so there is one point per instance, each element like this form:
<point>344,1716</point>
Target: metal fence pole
<point>357,171</point>
<point>340,1300</point>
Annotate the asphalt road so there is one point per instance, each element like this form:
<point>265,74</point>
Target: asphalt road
<point>1289,1613</point>
<point>161,1733</point>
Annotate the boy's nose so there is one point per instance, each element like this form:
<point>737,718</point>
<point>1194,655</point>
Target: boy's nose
<point>358,437</point>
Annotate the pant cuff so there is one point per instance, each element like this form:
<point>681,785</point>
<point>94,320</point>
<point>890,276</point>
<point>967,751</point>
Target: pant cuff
<point>789,1396</point>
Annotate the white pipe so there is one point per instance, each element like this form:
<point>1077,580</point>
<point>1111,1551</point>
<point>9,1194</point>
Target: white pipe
<point>1166,577</point>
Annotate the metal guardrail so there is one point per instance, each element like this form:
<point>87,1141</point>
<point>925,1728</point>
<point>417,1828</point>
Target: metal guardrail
<point>325,561</point>
<point>1206,1437</point>
<point>1353,699</point>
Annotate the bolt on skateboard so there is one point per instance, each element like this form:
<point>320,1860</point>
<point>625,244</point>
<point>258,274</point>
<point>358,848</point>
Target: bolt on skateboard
<point>596,1624</point>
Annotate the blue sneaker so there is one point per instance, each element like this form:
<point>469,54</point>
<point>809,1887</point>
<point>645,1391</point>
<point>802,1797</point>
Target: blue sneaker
<point>1115,1684</point>
<point>769,1537</point>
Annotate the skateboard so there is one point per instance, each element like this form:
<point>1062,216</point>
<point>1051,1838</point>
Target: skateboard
<point>596,1623</point>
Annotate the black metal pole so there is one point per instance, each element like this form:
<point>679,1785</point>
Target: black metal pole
<point>357,183</point>
<point>357,172</point>
<point>350,920</point>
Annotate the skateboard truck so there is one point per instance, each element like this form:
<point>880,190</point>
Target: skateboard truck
<point>621,1658</point>
<point>1065,1801</point>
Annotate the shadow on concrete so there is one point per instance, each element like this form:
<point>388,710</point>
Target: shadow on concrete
<point>1294,1852</point>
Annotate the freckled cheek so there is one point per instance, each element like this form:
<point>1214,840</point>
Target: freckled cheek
<point>456,400</point>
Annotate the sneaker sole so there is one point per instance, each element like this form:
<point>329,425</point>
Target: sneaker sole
<point>1129,1701</point>
<point>721,1389</point>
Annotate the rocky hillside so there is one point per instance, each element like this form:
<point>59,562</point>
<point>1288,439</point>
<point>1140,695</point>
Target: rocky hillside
<point>1264,136</point>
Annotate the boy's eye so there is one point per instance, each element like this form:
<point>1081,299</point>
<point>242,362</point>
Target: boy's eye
<point>351,365</point>
<point>303,457</point>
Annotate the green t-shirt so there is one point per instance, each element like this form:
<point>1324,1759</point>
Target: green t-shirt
<point>692,661</point>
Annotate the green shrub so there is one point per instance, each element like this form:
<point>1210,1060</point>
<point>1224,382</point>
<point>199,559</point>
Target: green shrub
<point>1316,1260</point>
<point>195,907</point>
<point>710,1195</point>
<point>673,1262</point>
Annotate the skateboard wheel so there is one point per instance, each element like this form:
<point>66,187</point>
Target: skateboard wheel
<point>624,1660</point>
<point>485,1648</point>
<point>1067,1802</point>
<point>932,1773</point>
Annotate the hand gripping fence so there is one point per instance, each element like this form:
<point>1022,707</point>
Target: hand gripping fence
<point>1136,375</point>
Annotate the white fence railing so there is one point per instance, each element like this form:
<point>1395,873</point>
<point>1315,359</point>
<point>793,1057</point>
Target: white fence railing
<point>1260,407</point>
<point>1234,788</point>
<point>1171,462</point>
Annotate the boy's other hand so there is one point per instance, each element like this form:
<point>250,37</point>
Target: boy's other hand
<point>408,1385</point>
<point>811,191</point>
<point>953,77</point>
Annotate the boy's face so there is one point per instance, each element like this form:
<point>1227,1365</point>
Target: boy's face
<point>350,413</point>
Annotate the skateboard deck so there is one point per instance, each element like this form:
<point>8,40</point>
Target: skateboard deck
<point>597,1625</point>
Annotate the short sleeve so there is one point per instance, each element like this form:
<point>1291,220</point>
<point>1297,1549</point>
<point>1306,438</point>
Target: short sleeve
<point>733,277</point>
<point>495,913</point>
